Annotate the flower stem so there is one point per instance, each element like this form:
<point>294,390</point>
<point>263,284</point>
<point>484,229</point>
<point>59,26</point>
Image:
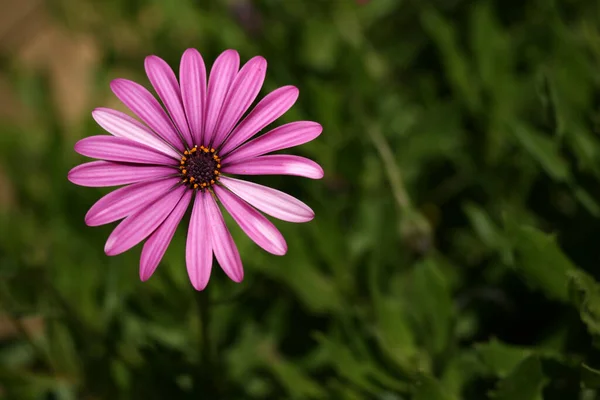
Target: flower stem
<point>203,383</point>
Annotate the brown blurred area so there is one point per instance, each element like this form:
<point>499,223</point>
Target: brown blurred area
<point>30,39</point>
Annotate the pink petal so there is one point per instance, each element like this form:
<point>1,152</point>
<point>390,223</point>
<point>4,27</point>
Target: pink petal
<point>138,226</point>
<point>192,76</point>
<point>243,91</point>
<point>222,75</point>
<point>273,106</point>
<point>113,148</point>
<point>122,125</point>
<point>127,200</point>
<point>104,173</point>
<point>223,245</point>
<point>165,83</point>
<point>156,245</point>
<point>253,223</point>
<point>198,256</point>
<point>147,108</point>
<point>270,201</point>
<point>283,137</point>
<point>277,164</point>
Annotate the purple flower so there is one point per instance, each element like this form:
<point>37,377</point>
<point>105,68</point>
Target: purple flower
<point>188,156</point>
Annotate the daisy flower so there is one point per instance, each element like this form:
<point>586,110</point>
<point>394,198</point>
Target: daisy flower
<point>186,156</point>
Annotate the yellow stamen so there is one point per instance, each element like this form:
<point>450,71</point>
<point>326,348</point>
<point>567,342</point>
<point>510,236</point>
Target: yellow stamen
<point>184,171</point>
<point>218,165</point>
<point>186,153</point>
<point>212,181</point>
<point>216,172</point>
<point>212,150</point>
<point>192,179</point>
<point>195,186</point>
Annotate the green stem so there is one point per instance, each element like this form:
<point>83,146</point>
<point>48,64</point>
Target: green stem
<point>203,384</point>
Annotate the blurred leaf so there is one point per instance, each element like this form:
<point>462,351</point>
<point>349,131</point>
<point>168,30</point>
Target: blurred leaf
<point>394,334</point>
<point>501,358</point>
<point>428,388</point>
<point>542,149</point>
<point>541,262</point>
<point>590,377</point>
<point>460,76</point>
<point>524,383</point>
<point>461,370</point>
<point>431,304</point>
<point>585,293</point>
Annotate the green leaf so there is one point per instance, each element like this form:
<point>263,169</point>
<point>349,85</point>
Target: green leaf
<point>544,150</point>
<point>428,388</point>
<point>590,377</point>
<point>541,262</point>
<point>432,305</point>
<point>394,334</point>
<point>524,383</point>
<point>585,293</point>
<point>501,358</point>
<point>444,34</point>
<point>460,370</point>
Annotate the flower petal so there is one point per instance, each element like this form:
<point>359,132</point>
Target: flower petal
<point>165,83</point>
<point>273,106</point>
<point>283,137</point>
<point>223,245</point>
<point>244,90</point>
<point>198,250</point>
<point>122,125</point>
<point>139,225</point>
<point>222,75</point>
<point>276,164</point>
<point>112,148</point>
<point>270,201</point>
<point>105,173</point>
<point>147,108</point>
<point>254,224</point>
<point>192,77</point>
<point>127,200</point>
<point>156,245</point>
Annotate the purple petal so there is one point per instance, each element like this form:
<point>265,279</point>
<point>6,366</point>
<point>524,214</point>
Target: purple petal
<point>122,125</point>
<point>113,148</point>
<point>147,108</point>
<point>277,164</point>
<point>127,200</point>
<point>165,83</point>
<point>198,251</point>
<point>253,223</point>
<point>273,106</point>
<point>283,137</point>
<point>104,173</point>
<point>138,226</point>
<point>156,245</point>
<point>270,201</point>
<point>243,91</point>
<point>222,75</point>
<point>223,245</point>
<point>192,76</point>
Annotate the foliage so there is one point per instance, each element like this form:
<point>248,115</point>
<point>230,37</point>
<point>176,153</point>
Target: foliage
<point>453,254</point>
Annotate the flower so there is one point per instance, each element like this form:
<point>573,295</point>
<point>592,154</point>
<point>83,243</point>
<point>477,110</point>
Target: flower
<point>188,156</point>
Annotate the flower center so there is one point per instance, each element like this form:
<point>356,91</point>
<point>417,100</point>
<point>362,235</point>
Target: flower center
<point>199,167</point>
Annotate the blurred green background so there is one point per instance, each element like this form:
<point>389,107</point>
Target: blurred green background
<point>455,249</point>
